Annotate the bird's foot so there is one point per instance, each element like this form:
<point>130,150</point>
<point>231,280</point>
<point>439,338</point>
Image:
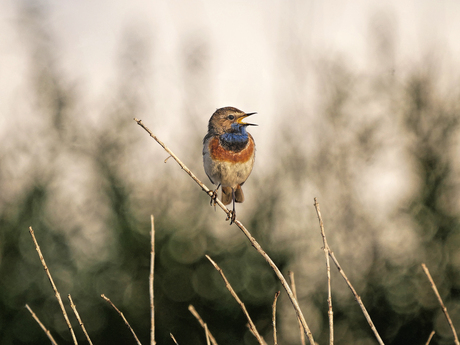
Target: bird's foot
<point>213,198</point>
<point>232,216</point>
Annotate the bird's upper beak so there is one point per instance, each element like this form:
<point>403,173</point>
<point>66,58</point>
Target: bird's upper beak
<point>242,117</point>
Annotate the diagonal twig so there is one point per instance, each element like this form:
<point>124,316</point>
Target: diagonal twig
<point>47,332</point>
<point>56,292</point>
<point>123,317</point>
<point>430,337</point>
<point>151,292</point>
<point>77,315</point>
<point>357,297</point>
<point>251,326</point>
<point>192,309</point>
<point>174,339</point>
<point>444,309</point>
<point>254,243</point>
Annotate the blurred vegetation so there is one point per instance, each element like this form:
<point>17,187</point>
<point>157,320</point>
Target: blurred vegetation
<point>87,191</point>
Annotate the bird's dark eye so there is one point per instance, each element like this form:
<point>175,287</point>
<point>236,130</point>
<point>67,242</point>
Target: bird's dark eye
<point>231,117</point>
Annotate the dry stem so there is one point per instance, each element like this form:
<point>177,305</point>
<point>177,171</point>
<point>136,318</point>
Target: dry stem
<point>430,337</point>
<point>174,339</point>
<point>254,243</point>
<point>326,249</point>
<point>294,291</point>
<point>47,332</point>
<point>123,317</point>
<point>252,327</point>
<point>77,315</point>
<point>358,299</point>
<point>56,292</point>
<point>275,338</point>
<point>152,263</point>
<point>444,309</point>
<point>206,332</point>
<point>202,323</point>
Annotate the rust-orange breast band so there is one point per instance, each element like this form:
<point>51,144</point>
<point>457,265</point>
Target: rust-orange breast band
<point>219,153</point>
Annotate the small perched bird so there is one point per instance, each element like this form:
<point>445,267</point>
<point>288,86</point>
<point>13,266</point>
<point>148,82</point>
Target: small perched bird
<point>228,154</point>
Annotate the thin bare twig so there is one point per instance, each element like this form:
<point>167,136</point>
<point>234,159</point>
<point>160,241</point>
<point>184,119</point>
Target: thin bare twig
<point>56,292</point>
<point>152,263</point>
<point>254,243</point>
<point>444,309</point>
<point>357,297</point>
<point>326,249</point>
<point>77,315</point>
<point>174,339</point>
<point>430,337</point>
<point>206,332</point>
<point>202,323</point>
<point>47,332</point>
<point>275,337</point>
<point>294,291</point>
<point>252,327</point>
<point>123,317</point>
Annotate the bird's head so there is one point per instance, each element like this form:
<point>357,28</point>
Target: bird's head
<point>228,120</point>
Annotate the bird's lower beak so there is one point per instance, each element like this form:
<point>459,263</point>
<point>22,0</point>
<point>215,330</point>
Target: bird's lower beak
<point>240,120</point>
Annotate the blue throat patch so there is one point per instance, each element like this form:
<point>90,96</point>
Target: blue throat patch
<point>238,135</point>
<point>235,140</point>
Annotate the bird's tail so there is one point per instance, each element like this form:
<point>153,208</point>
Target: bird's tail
<point>239,196</point>
<point>227,195</point>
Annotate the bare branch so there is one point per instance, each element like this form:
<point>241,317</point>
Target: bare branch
<point>357,297</point>
<point>254,243</point>
<point>275,337</point>
<point>252,327</point>
<point>151,292</point>
<point>430,337</point>
<point>56,292</point>
<point>48,333</point>
<point>206,332</point>
<point>202,323</point>
<point>77,315</point>
<point>444,309</point>
<point>123,317</point>
<point>326,249</point>
<point>174,339</point>
<point>294,291</point>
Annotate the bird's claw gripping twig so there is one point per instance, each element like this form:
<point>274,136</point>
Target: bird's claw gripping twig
<point>232,216</point>
<point>213,198</point>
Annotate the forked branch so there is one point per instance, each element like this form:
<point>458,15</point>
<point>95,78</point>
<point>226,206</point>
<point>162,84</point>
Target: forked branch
<point>357,297</point>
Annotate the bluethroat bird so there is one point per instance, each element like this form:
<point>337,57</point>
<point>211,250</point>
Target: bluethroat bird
<point>228,154</point>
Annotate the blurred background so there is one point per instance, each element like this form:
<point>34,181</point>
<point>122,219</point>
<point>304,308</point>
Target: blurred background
<point>358,105</point>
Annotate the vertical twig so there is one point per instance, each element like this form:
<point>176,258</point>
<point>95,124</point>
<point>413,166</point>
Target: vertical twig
<point>77,315</point>
<point>251,326</point>
<point>254,243</point>
<point>357,297</point>
<point>275,337</point>
<point>123,317</point>
<point>192,309</point>
<point>47,332</point>
<point>151,292</point>
<point>56,292</point>
<point>326,249</point>
<point>444,309</point>
<point>294,291</point>
<point>430,337</point>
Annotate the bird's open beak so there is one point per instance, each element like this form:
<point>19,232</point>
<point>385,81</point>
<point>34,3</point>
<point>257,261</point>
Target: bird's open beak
<point>240,120</point>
